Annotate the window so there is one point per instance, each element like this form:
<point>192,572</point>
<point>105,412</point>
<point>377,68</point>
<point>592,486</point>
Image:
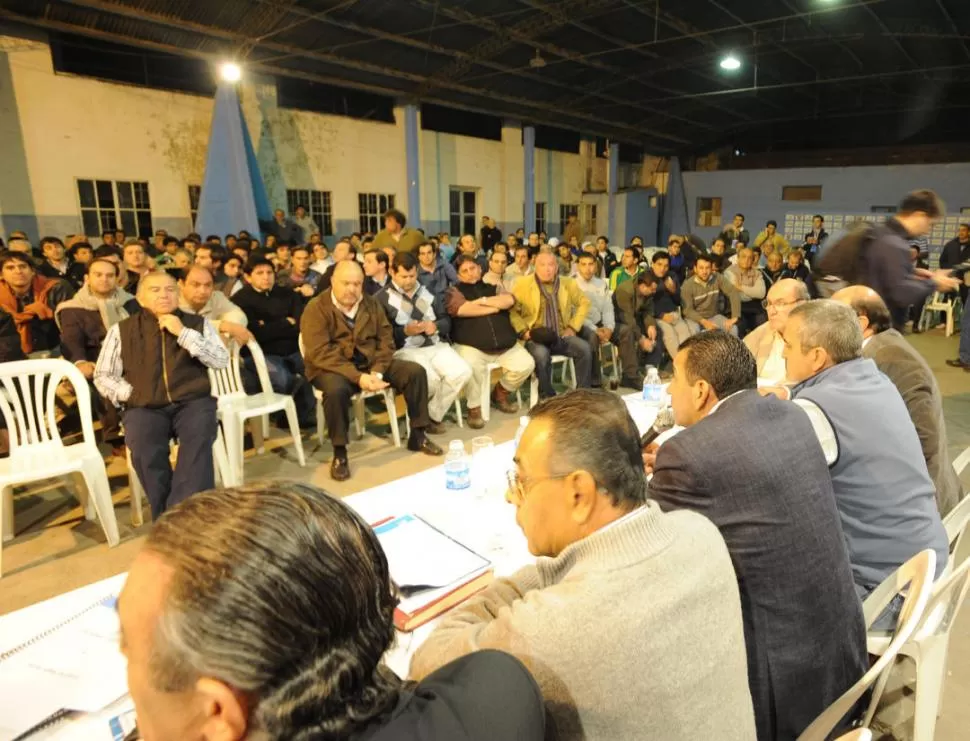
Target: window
<point>317,204</point>
<point>195,194</point>
<point>801,193</point>
<point>121,204</point>
<point>540,216</point>
<point>588,218</point>
<point>565,211</point>
<point>708,212</point>
<point>461,210</point>
<point>882,209</point>
<point>371,208</point>
<point>965,211</point>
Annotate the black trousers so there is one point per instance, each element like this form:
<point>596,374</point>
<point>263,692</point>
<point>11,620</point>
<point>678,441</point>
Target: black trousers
<point>407,378</point>
<point>147,434</point>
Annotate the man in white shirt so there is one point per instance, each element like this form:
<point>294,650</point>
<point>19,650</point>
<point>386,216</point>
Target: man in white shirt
<point>765,342</point>
<point>600,324</point>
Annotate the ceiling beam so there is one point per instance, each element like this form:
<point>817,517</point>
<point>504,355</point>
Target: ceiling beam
<point>953,26</point>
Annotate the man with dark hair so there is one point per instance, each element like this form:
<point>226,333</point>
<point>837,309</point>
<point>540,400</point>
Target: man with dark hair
<point>580,495</point>
<point>210,256</point>
<point>639,340</point>
<point>913,378</point>
<point>469,248</point>
<point>343,250</point>
<point>777,513</point>
<point>885,496</point>
<point>435,273</point>
<point>56,264</point>
<point>701,295</point>
<point>736,232</point>
<point>249,609</point>
<point>136,263</point>
<point>300,277</point>
<point>682,257</point>
<point>197,295</point>
<point>80,252</point>
<point>396,235</point>
<point>108,237</point>
<point>170,246</point>
<point>666,304</point>
<point>521,264</point>
<point>483,335</point>
<point>155,365</point>
<point>815,238</point>
<point>376,265</point>
<point>31,300</point>
<point>273,315</point>
<point>600,325</point>
<point>629,269</point>
<point>349,347</point>
<point>606,256</point>
<point>420,323</point>
<point>286,230</point>
<point>769,240</point>
<point>956,251</point>
<point>490,235</point>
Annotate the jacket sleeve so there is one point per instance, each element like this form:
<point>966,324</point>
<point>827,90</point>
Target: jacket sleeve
<point>517,313</point>
<point>227,311</point>
<point>687,301</point>
<point>675,483</point>
<point>386,345</point>
<point>901,285</point>
<point>728,289</point>
<point>626,305</point>
<point>319,348</point>
<point>72,336</point>
<point>917,391</point>
<point>205,346</point>
<point>581,303</point>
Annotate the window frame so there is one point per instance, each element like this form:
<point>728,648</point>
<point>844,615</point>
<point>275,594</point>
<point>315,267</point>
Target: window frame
<point>463,217</point>
<point>565,211</point>
<point>715,208</point>
<point>368,218</point>
<point>541,208</point>
<point>128,218</point>
<point>319,204</point>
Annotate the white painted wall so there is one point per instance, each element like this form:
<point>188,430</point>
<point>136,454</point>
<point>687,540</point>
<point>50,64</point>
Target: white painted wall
<point>57,128</point>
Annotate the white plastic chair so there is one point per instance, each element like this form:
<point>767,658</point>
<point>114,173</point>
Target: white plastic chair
<point>614,357</point>
<point>939,302</point>
<point>568,377</point>
<point>28,404</point>
<point>962,461</point>
<point>913,580</point>
<point>235,406</point>
<point>486,400</point>
<point>859,734</point>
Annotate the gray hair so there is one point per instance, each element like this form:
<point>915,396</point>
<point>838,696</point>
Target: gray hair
<point>830,325</point>
<point>593,431</point>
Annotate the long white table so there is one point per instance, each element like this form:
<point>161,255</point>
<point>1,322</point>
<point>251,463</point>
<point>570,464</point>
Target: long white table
<point>480,518</point>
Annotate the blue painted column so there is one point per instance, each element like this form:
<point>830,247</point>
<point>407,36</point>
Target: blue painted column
<point>529,191</point>
<point>613,176</point>
<point>412,154</point>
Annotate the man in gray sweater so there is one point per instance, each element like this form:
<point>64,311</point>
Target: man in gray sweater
<point>701,294</point>
<point>630,620</point>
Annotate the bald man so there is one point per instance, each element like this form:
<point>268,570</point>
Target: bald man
<point>913,378</point>
<point>765,342</point>
<point>154,365</point>
<point>348,347</point>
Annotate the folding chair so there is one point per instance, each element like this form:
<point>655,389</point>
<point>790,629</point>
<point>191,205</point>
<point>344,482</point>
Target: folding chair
<point>568,377</point>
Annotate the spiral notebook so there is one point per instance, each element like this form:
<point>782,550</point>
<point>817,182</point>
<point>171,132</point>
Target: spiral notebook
<point>75,665</point>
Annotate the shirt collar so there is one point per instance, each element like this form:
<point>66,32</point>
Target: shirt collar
<point>865,341</point>
<point>349,314</point>
<point>715,407</point>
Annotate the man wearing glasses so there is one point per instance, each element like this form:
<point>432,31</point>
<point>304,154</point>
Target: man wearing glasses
<point>765,342</point>
<point>580,494</point>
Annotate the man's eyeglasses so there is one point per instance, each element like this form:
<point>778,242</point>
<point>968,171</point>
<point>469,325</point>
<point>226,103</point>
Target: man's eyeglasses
<point>778,305</point>
<point>517,486</point>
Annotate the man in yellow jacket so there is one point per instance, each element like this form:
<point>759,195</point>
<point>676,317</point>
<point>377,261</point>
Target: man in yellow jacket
<point>769,240</point>
<point>548,316</point>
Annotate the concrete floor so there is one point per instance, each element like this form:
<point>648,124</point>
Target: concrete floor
<point>56,549</point>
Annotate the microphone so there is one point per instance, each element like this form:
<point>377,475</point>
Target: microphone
<point>663,422</point>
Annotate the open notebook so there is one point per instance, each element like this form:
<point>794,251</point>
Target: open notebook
<point>433,571</point>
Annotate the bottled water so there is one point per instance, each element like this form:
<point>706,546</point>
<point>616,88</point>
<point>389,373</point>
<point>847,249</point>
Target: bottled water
<point>458,474</point>
<point>653,390</point>
<point>523,423</point>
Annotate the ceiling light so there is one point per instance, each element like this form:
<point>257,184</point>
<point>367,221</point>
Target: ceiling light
<point>730,63</point>
<point>230,72</point>
<point>537,62</point>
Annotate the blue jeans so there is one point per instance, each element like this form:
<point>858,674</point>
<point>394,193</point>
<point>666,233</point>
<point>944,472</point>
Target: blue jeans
<point>965,337</point>
<point>574,347</point>
<point>887,618</point>
<point>286,377</point>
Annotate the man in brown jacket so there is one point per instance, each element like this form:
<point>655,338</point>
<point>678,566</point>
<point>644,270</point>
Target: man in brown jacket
<point>633,302</point>
<point>348,347</point>
<point>911,375</point>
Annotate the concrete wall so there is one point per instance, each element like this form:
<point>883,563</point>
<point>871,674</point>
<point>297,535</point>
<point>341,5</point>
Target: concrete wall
<point>757,193</point>
<point>55,129</point>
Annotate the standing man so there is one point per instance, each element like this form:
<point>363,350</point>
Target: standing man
<point>349,346</point>
<point>491,235</point>
<point>635,312</point>
<point>572,230</point>
<point>375,268</point>
<point>700,297</point>
<point>482,331</point>
<point>629,268</point>
<point>815,238</point>
<point>418,329</point>
<point>394,234</point>
<point>548,316</point>
<point>197,295</point>
<point>306,225</point>
<point>600,325</point>
<point>284,229</point>
<point>155,365</point>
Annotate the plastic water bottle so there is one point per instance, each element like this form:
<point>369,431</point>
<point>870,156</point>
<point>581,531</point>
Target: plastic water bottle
<point>458,473</point>
<point>523,423</point>
<point>653,390</point>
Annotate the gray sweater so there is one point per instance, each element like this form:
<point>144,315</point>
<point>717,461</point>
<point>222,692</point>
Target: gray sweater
<point>699,300</point>
<point>633,633</point>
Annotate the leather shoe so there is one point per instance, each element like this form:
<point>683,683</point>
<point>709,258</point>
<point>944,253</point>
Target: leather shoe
<point>435,428</point>
<point>629,382</point>
<point>957,363</point>
<point>339,469</point>
<point>475,419</point>
<point>427,447</point>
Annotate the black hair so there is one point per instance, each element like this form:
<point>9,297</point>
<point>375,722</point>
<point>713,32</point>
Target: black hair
<point>256,261</point>
<point>108,250</point>
<point>739,214</point>
<point>380,256</point>
<point>405,261</point>
<point>77,247</point>
<point>922,200</point>
<point>722,360</point>
<point>659,255</point>
<point>646,278</point>
<point>170,240</point>
<point>772,222</point>
<point>398,216</point>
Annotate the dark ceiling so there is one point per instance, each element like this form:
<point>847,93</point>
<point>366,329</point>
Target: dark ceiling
<point>815,73</point>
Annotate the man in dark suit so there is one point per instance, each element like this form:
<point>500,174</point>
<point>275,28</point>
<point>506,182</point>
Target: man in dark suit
<point>911,375</point>
<point>743,463</point>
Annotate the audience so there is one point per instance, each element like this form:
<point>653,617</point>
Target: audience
<point>136,264</point>
<point>468,247</point>
<point>766,342</point>
<point>284,229</point>
<point>666,304</point>
<point>749,282</point>
<point>885,496</point>
<point>548,316</point>
<point>600,325</point>
<point>305,223</point>
<point>522,265</point>
<point>421,324</point>
<point>394,234</point>
<point>607,258</point>
<point>434,272</point>
<point>348,348</point>
<point>629,268</point>
<point>773,269</point>
<point>798,270</point>
<point>776,511</point>
<point>321,258</point>
<point>736,232</point>
<point>482,331</point>
<point>682,257</point>
<point>375,271</point>
<point>80,253</point>
<point>635,670</point>
<point>197,295</point>
<point>155,363</point>
<point>299,277</point>
<point>56,263</point>
<point>721,257</point>
<point>770,240</point>
<point>636,314</point>
<point>911,375</point>
<point>31,300</point>
<point>701,295</point>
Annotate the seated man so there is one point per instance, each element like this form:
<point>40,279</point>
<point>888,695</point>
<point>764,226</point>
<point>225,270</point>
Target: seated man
<point>617,580</point>
<point>635,312</point>
<point>434,272</point>
<point>273,316</point>
<point>299,277</point>
<point>766,342</point>
<point>343,250</point>
<point>777,513</point>
<point>197,295</point>
<point>607,258</point>
<point>749,282</point>
<point>883,490</point>
<point>419,326</point>
<point>265,612</point>
<point>31,300</point>
<point>469,247</point>
<point>155,365</point>
<point>769,240</point>
<point>521,266</point>
<point>84,320</point>
<point>376,265</point>
<point>700,295</point>
<point>56,264</point>
<point>321,258</point>
<point>136,263</point>
<point>349,347</point>
<point>498,263</point>
<point>548,316</point>
<point>798,270</point>
<point>629,268</point>
<point>483,334</point>
<point>600,325</point>
<point>911,375</point>
<point>666,304</point>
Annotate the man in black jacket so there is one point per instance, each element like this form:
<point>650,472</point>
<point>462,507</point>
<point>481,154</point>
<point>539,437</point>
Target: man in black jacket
<point>273,315</point>
<point>483,335</point>
<point>954,252</point>
<point>155,364</point>
<point>490,235</point>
